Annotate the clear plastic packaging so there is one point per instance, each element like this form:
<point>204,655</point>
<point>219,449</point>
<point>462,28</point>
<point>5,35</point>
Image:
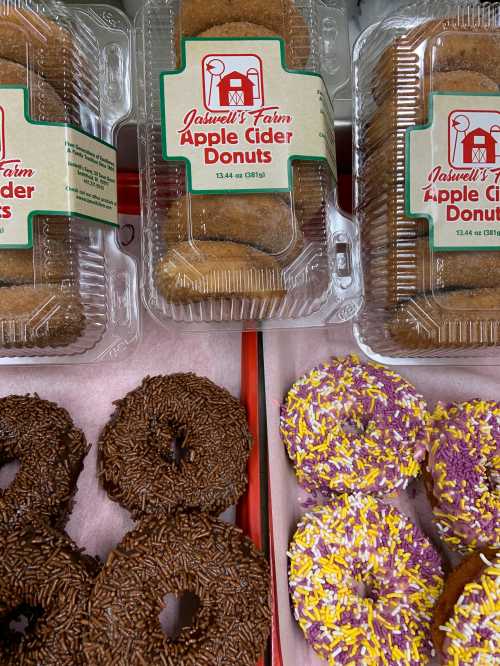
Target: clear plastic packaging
<point>252,257</point>
<point>72,297</point>
<point>426,84</point>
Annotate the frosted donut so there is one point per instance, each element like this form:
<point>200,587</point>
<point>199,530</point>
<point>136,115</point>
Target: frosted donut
<point>464,466</point>
<point>50,450</point>
<point>41,316</point>
<point>363,581</point>
<point>469,635</point>
<point>202,270</point>
<point>351,426</point>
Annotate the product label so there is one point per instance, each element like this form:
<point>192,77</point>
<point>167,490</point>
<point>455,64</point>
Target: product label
<point>453,172</point>
<point>237,117</point>
<point>49,169</point>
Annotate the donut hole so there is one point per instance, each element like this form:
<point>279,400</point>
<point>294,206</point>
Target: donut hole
<point>8,472</point>
<point>179,613</point>
<point>19,622</point>
<point>366,589</point>
<point>170,442</point>
<point>354,426</point>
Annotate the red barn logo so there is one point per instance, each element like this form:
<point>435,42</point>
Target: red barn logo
<point>474,139</point>
<point>232,82</point>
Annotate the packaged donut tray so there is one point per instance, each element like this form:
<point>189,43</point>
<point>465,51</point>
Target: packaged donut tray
<point>426,108</point>
<point>238,167</point>
<point>384,520</point>
<point>68,294</point>
<point>110,488</point>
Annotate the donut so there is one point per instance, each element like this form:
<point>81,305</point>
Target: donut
<point>447,319</point>
<point>363,581</point>
<point>466,625</point>
<point>263,221</point>
<point>178,554</point>
<point>42,437</point>
<point>350,426</point>
<point>136,463</point>
<point>260,18</point>
<point>440,45</point>
<point>464,466</point>
<point>45,579</point>
<point>45,103</point>
<point>48,262</point>
<point>41,316</point>
<point>203,270</point>
<point>412,108</point>
<point>446,270</point>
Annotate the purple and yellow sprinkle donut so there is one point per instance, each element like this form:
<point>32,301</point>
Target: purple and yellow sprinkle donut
<point>473,631</point>
<point>464,469</point>
<point>351,426</point>
<point>363,581</point>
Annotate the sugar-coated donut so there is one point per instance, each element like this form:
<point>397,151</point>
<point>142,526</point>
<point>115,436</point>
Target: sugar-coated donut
<point>464,467</point>
<point>202,270</point>
<point>351,426</point>
<point>263,221</point>
<point>363,581</point>
<point>261,18</point>
<point>470,634</point>
<point>50,450</point>
<point>173,555</point>
<point>448,319</point>
<point>45,578</point>
<point>41,316</point>
<point>136,462</point>
<point>33,39</point>
<point>45,103</point>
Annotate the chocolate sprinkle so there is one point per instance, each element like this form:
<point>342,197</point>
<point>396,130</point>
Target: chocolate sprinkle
<point>136,463</point>
<point>170,555</point>
<point>45,578</point>
<point>50,450</point>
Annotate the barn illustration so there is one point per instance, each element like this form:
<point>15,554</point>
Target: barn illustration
<point>237,89</point>
<point>479,147</point>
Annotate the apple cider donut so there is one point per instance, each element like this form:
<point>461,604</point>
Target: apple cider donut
<point>201,270</point>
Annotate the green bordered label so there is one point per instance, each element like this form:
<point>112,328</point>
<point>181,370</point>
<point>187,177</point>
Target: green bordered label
<point>453,171</point>
<point>49,169</point>
<point>238,117</point>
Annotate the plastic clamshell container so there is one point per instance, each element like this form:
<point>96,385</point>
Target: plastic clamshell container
<point>72,297</point>
<point>250,259</point>
<point>426,83</point>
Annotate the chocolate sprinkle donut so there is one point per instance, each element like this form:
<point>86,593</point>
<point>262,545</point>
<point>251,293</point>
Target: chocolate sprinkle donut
<point>172,555</point>
<point>44,578</point>
<point>137,465</point>
<point>50,450</point>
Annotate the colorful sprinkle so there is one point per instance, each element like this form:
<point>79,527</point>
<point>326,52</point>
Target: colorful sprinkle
<point>464,463</point>
<point>363,581</point>
<point>473,632</point>
<point>351,426</point>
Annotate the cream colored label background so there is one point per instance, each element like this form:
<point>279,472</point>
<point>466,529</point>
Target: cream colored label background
<point>73,172</point>
<point>302,96</point>
<point>429,149</point>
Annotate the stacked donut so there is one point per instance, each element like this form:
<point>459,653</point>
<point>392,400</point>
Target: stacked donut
<point>78,613</point>
<point>178,545</point>
<point>38,305</point>
<point>427,299</point>
<point>360,572</point>
<point>237,246</point>
<point>43,577</point>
